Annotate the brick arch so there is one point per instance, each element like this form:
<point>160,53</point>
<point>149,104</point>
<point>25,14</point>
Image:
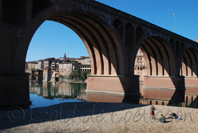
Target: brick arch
<point>189,63</point>
<point>105,51</point>
<point>168,57</point>
<point>159,55</point>
<point>117,34</point>
<point>177,49</point>
<point>137,43</point>
<point>119,27</point>
<point>39,5</point>
<point>129,35</point>
<point>6,51</point>
<point>139,33</point>
<point>148,59</point>
<point>170,60</point>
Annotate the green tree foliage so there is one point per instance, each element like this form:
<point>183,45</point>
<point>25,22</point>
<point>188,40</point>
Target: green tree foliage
<point>78,75</point>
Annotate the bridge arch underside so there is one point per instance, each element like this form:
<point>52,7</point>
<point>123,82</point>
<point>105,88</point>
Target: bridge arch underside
<point>107,67</point>
<point>189,69</point>
<point>160,82</point>
<point>158,56</point>
<point>97,39</point>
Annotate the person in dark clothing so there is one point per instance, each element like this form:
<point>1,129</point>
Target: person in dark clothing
<point>173,115</point>
<point>162,119</point>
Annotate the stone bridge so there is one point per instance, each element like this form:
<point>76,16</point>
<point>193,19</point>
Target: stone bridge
<point>112,39</point>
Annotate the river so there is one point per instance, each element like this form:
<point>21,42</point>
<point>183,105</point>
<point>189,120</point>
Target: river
<point>44,94</point>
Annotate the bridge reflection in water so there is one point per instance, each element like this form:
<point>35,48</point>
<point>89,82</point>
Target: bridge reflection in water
<point>77,91</point>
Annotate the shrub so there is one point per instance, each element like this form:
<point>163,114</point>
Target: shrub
<point>78,75</point>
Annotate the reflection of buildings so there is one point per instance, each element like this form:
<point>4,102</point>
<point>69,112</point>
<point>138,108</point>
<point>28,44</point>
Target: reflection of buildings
<point>35,88</point>
<point>190,101</point>
<point>51,90</point>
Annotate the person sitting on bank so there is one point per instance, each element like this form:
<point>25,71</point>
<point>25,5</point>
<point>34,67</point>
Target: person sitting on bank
<point>162,119</point>
<point>174,116</point>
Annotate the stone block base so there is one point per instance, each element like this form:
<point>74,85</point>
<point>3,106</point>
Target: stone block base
<point>114,84</point>
<point>164,82</point>
<point>14,89</point>
<point>109,98</point>
<point>164,94</point>
<point>191,84</point>
<point>191,90</point>
<point>164,88</point>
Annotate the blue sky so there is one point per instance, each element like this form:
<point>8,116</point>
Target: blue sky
<point>53,39</point>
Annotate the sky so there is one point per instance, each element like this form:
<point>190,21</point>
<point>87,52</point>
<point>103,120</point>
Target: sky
<point>53,39</point>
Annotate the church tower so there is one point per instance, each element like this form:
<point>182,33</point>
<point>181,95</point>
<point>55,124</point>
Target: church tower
<point>65,56</point>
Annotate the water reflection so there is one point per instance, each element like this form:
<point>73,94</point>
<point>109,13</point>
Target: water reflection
<point>189,98</point>
<point>50,93</point>
<point>190,101</point>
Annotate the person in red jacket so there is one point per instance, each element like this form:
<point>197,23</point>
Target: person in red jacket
<point>152,112</point>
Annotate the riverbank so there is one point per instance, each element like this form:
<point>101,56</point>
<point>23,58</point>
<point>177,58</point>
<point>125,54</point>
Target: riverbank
<point>97,117</point>
<point>72,81</point>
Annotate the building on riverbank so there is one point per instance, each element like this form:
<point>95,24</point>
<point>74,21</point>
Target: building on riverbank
<point>55,65</point>
<point>40,64</point>
<point>48,63</point>
<point>67,66</point>
<point>140,65</point>
<point>64,65</point>
<point>85,68</point>
<point>32,65</point>
<point>35,74</point>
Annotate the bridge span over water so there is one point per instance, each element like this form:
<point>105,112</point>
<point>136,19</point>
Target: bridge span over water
<point>112,39</point>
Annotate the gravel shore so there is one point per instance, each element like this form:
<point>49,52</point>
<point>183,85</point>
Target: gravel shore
<point>97,117</point>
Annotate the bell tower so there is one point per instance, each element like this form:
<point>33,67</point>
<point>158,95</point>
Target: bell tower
<point>64,55</point>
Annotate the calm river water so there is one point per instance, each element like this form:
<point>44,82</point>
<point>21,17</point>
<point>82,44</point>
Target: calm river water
<point>50,93</point>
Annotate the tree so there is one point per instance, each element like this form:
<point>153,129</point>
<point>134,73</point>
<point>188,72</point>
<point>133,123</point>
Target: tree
<point>78,75</point>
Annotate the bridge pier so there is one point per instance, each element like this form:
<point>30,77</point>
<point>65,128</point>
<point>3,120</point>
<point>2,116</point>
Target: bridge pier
<point>119,85</point>
<point>14,88</point>
<point>191,84</point>
<point>164,88</point>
